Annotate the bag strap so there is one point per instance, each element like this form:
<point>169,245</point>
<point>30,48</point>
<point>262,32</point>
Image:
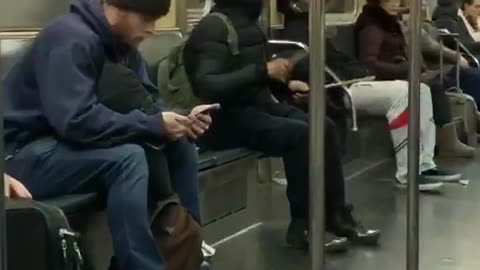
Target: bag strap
<point>232,38</point>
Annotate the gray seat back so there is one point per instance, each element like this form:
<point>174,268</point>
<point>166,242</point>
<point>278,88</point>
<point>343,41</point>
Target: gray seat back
<point>11,51</point>
<point>344,40</point>
<point>157,48</point>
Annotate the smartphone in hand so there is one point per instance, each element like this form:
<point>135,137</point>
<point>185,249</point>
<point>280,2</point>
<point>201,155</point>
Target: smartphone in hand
<point>209,109</point>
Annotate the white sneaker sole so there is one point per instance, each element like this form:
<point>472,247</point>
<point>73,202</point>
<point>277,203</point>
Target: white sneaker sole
<point>445,178</point>
<point>207,250</point>
<point>423,187</point>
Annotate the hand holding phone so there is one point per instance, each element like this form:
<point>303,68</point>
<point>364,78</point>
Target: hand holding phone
<point>201,119</point>
<point>205,109</point>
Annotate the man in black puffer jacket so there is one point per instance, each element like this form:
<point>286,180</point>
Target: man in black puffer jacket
<point>251,119</point>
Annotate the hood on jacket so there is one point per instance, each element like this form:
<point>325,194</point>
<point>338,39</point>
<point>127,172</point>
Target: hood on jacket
<point>251,8</point>
<point>91,11</point>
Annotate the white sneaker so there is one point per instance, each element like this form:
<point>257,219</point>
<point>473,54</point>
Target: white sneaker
<point>207,251</point>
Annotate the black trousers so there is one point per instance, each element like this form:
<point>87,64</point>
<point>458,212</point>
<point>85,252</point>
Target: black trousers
<point>281,130</point>
<point>442,114</point>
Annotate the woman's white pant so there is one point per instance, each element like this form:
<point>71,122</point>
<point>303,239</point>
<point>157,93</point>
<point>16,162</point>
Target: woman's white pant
<point>390,98</point>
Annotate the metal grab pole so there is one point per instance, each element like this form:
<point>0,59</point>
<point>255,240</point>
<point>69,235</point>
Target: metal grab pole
<point>317,133</point>
<point>413,136</point>
<point>3,236</point>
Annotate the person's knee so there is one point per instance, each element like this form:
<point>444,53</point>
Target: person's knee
<point>425,93</point>
<point>130,158</point>
<point>185,149</point>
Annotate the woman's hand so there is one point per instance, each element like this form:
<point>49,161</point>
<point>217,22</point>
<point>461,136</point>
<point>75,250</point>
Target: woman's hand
<point>15,189</point>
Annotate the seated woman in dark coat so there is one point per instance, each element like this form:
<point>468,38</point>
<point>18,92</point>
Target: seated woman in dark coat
<point>381,45</point>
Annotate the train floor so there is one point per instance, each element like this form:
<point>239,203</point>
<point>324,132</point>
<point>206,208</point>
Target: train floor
<point>449,228</point>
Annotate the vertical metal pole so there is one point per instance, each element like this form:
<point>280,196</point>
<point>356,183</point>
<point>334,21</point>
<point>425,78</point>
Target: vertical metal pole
<point>442,80</point>
<point>3,240</point>
<point>266,17</point>
<point>457,66</point>
<point>317,133</point>
<point>413,136</point>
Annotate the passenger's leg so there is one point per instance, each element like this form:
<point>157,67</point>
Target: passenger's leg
<point>448,143</point>
<point>390,99</point>
<point>427,130</point>
<point>182,162</point>
<point>470,82</point>
<point>49,168</point>
<point>335,181</point>
<point>339,216</point>
<point>278,136</point>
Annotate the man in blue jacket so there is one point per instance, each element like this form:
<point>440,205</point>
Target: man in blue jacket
<point>61,140</point>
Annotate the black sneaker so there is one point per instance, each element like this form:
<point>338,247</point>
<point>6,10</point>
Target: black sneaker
<point>344,224</point>
<point>441,175</point>
<point>297,238</point>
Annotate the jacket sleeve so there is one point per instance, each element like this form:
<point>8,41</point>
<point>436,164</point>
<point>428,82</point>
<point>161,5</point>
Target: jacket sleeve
<point>452,26</point>
<point>432,48</point>
<point>369,45</point>
<point>213,78</point>
<point>472,46</point>
<point>66,76</point>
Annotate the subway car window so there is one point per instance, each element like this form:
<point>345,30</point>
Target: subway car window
<point>340,6</point>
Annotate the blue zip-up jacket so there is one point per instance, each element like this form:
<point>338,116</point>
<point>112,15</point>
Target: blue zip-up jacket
<point>51,91</point>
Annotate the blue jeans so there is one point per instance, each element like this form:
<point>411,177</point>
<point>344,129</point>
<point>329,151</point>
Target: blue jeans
<point>469,82</point>
<point>50,168</point>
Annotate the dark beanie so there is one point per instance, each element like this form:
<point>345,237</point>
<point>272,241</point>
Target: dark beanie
<point>151,8</point>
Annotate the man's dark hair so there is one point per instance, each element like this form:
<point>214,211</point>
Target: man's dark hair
<point>151,8</point>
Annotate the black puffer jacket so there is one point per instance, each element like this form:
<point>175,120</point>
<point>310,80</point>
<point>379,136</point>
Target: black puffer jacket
<point>218,76</point>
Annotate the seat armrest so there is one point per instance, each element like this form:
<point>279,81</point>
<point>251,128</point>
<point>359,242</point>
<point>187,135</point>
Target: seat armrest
<point>445,34</point>
<point>285,44</point>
